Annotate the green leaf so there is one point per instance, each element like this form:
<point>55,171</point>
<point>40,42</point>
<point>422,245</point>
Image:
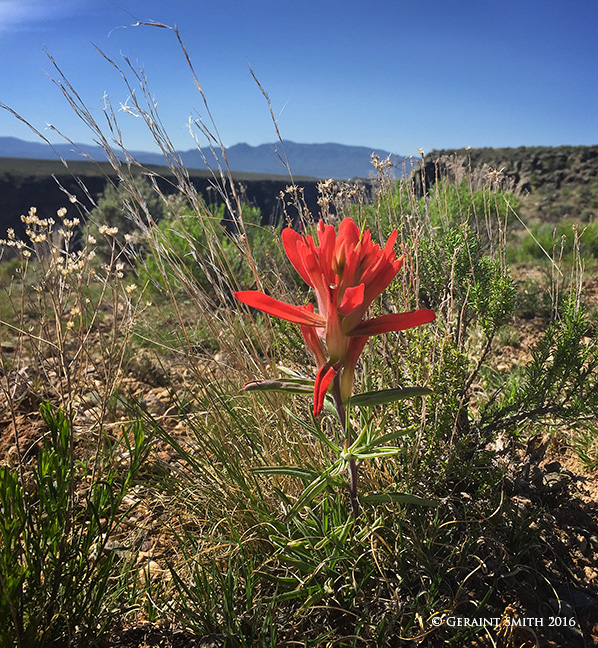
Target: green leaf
<point>376,453</point>
<point>290,471</point>
<point>391,436</point>
<point>338,534</point>
<point>289,386</point>
<point>278,580</point>
<point>313,428</point>
<point>300,592</point>
<point>315,488</point>
<point>371,398</point>
<point>303,566</point>
<point>291,373</point>
<point>401,498</point>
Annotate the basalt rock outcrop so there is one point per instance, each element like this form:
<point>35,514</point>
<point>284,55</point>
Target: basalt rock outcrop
<point>525,169</point>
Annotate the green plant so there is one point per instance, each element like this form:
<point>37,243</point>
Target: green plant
<point>65,330</point>
<point>347,271</point>
<point>59,301</point>
<point>585,442</point>
<point>204,245</point>
<point>559,384</point>
<point>58,584</point>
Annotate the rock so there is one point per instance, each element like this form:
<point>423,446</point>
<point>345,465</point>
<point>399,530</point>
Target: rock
<point>582,544</point>
<point>91,399</point>
<point>523,504</point>
<point>564,608</point>
<point>555,481</point>
<point>156,400</point>
<point>113,546</point>
<point>150,571</point>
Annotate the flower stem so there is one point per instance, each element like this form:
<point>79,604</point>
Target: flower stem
<point>342,415</point>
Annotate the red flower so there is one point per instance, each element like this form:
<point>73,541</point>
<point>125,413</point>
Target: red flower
<point>347,271</point>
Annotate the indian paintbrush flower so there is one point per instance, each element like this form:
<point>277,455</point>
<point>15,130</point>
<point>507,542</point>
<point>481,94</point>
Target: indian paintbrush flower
<point>347,271</point>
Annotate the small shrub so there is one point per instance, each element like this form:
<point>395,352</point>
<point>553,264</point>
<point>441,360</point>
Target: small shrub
<point>58,584</point>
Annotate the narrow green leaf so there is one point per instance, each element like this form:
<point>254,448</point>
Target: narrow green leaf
<point>287,386</point>
<point>312,491</point>
<point>371,398</point>
<point>339,533</point>
<point>302,565</point>
<point>290,471</point>
<point>296,593</point>
<point>278,580</point>
<point>291,373</point>
<point>374,444</point>
<point>313,428</point>
<point>315,488</point>
<point>391,436</point>
<point>386,451</point>
<point>401,498</point>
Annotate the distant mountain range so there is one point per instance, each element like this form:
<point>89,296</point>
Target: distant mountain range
<point>312,160</point>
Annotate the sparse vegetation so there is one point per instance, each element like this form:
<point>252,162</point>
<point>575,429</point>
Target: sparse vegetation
<point>140,485</point>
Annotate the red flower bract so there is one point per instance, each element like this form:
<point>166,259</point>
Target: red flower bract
<point>347,271</point>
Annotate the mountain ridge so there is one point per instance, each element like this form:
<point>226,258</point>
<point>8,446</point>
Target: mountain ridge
<point>325,160</point>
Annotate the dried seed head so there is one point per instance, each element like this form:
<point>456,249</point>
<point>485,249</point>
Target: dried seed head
<point>107,231</point>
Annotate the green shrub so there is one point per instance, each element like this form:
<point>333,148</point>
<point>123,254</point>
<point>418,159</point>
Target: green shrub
<point>210,254</point>
<point>547,240</point>
<point>58,584</point>
<point>484,210</point>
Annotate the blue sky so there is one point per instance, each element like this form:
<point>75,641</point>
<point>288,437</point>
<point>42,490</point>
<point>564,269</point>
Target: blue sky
<point>396,75</point>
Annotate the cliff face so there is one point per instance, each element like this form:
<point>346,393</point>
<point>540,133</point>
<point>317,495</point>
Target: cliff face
<point>555,184</point>
<point>529,168</point>
<point>48,187</point>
